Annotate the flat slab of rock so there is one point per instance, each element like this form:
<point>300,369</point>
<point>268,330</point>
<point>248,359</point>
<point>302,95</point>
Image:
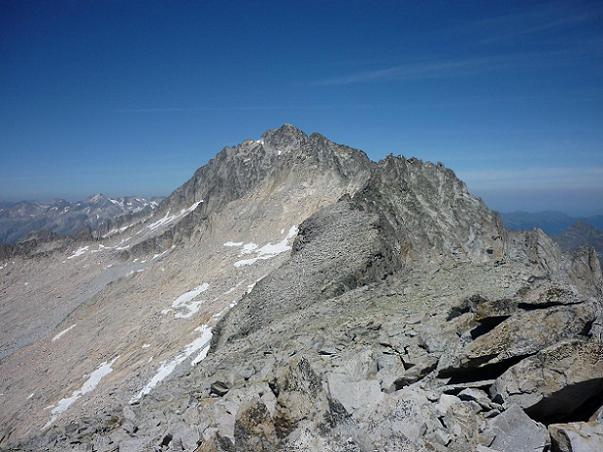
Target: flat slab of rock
<point>514,431</point>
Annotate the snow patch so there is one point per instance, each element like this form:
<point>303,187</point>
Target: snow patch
<point>101,247</point>
<point>200,344</point>
<point>132,272</point>
<point>158,255</point>
<point>204,340</point>
<point>62,333</point>
<point>231,290</point>
<point>162,221</point>
<point>268,251</point>
<point>167,219</point>
<point>79,252</point>
<point>89,385</point>
<point>185,305</point>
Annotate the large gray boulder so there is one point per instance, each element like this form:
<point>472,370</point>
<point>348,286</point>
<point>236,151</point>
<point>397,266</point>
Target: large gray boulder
<point>556,381</point>
<point>518,336</point>
<point>514,431</point>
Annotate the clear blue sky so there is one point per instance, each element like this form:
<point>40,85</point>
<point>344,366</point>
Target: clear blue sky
<point>130,97</point>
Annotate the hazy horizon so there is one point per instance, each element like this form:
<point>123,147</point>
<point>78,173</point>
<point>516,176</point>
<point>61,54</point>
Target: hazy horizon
<point>130,98</point>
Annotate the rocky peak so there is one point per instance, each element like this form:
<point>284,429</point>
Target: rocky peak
<point>285,138</point>
<point>97,198</point>
<point>283,154</point>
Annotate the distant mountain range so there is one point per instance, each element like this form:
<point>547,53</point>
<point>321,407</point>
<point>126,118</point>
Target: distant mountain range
<point>571,233</point>
<point>20,219</point>
<point>550,221</point>
<point>580,235</point>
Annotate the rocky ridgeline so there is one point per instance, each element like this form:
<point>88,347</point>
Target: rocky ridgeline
<point>406,318</point>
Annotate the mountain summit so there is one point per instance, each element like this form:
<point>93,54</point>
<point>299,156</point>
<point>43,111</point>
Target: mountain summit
<point>295,295</point>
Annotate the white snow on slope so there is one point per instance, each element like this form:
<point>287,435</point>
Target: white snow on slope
<point>232,289</point>
<point>115,231</point>
<point>267,251</point>
<point>249,248</point>
<point>158,255</point>
<point>204,339</point>
<point>79,252</point>
<point>185,305</point>
<point>133,272</point>
<point>200,344</point>
<point>167,219</point>
<point>62,333</point>
<point>89,385</point>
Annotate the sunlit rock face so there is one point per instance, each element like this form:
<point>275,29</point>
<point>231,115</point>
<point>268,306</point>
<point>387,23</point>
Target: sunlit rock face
<point>294,295</point>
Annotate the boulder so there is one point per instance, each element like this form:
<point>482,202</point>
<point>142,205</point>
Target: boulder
<point>478,396</point>
<point>521,335</point>
<point>514,431</point>
<point>219,388</point>
<point>556,381</point>
<point>577,437</point>
<point>354,395</point>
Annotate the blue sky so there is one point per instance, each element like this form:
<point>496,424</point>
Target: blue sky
<point>129,97</point>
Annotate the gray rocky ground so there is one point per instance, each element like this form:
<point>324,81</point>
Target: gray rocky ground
<point>294,295</point>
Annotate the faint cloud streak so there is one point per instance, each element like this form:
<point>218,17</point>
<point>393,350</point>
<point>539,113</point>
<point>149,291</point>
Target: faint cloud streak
<point>544,18</point>
<point>446,68</point>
